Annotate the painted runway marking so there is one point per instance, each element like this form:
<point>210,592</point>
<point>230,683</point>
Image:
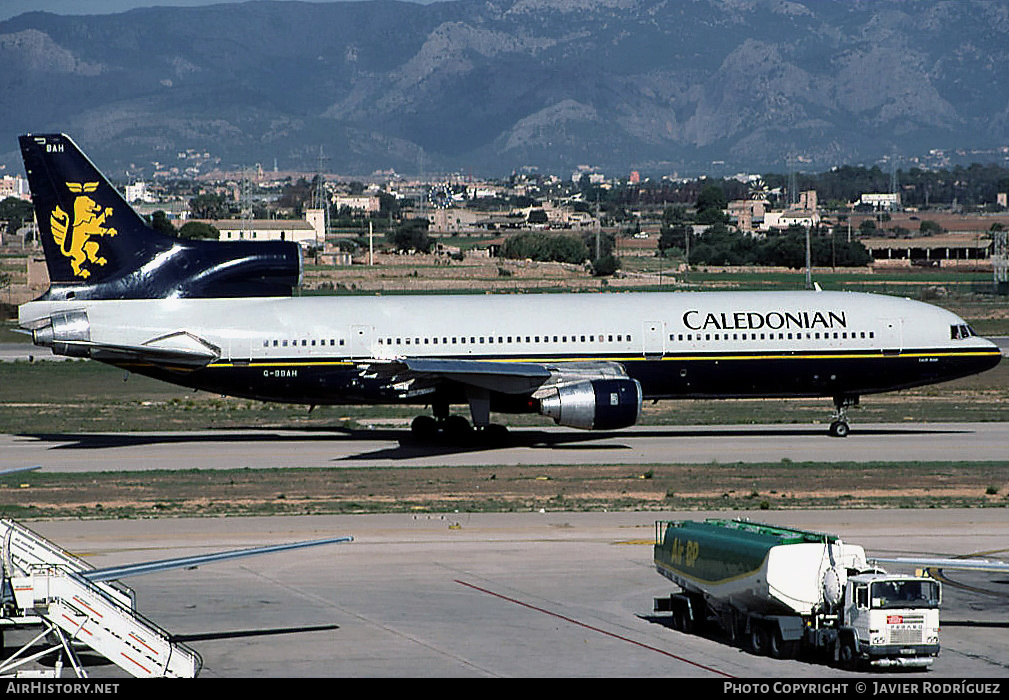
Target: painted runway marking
<point>595,629</point>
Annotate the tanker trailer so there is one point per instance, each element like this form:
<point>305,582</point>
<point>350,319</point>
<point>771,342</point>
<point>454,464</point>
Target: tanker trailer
<point>786,592</point>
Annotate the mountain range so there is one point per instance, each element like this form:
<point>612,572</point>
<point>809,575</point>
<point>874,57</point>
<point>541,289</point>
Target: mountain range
<point>490,86</point>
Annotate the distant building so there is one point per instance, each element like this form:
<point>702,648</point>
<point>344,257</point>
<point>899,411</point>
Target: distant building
<point>137,192</point>
<point>947,250</point>
<point>881,200</point>
<point>297,230</point>
<point>747,214</point>
<point>370,204</point>
<point>1002,200</point>
<point>790,217</point>
<point>454,220</point>
<point>15,186</point>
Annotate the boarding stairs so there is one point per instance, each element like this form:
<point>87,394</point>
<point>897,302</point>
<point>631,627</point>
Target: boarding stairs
<point>44,585</point>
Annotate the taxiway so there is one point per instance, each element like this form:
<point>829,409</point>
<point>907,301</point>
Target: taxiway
<point>391,447</point>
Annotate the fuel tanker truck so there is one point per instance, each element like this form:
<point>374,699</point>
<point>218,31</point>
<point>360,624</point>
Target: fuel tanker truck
<point>786,592</point>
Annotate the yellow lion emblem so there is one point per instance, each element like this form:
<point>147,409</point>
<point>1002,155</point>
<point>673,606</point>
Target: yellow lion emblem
<point>89,219</point>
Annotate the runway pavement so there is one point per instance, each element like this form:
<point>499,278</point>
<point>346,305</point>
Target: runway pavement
<point>499,595</point>
<point>390,447</point>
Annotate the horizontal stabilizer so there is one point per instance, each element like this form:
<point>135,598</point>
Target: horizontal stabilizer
<point>118,572</point>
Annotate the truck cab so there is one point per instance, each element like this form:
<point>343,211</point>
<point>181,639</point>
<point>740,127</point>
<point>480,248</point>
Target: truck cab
<point>890,621</point>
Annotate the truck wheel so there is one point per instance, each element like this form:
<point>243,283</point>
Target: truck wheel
<point>846,655</point>
<point>677,620</point>
<point>688,623</point>
<point>758,640</point>
<point>779,648</point>
<point>732,628</point>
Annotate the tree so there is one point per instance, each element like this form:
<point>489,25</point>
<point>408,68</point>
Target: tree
<point>674,236</point>
<point>711,203</point>
<point>198,229</point>
<point>930,228</point>
<point>161,224</point>
<point>208,206</point>
<point>15,212</point>
<point>411,235</point>
<point>545,247</point>
<point>712,197</point>
<point>605,266</point>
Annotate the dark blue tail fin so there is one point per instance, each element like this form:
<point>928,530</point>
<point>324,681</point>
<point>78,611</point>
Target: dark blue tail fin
<point>98,247</point>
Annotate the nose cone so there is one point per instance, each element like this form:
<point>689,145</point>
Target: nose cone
<point>991,353</point>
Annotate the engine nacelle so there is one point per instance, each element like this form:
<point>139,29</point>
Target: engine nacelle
<point>596,404</point>
<point>67,333</point>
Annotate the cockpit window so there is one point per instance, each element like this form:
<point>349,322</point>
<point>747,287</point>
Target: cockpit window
<point>958,332</point>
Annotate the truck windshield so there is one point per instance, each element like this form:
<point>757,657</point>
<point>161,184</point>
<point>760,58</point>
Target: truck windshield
<point>904,594</point>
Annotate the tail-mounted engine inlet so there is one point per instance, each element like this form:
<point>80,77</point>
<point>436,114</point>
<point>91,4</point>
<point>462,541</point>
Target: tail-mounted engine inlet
<point>67,333</point>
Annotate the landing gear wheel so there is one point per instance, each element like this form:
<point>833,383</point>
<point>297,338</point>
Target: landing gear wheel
<point>839,421</point>
<point>494,433</point>
<point>457,428</point>
<point>424,428</point>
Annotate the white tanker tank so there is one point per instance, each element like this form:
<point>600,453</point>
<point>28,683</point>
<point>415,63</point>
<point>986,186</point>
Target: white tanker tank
<point>786,591</point>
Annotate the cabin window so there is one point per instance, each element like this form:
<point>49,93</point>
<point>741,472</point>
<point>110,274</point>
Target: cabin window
<point>285,343</point>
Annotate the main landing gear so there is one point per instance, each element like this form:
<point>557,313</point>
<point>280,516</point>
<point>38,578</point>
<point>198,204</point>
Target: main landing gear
<point>455,429</point>
<point>839,421</point>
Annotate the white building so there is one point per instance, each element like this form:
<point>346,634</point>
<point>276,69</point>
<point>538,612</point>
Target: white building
<point>15,186</point>
<point>297,230</point>
<point>784,219</point>
<point>137,192</point>
<point>367,203</point>
<point>881,200</point>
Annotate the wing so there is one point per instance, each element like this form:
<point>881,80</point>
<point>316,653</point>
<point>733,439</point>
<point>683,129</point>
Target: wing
<point>940,563</point>
<point>412,376</point>
<point>118,572</point>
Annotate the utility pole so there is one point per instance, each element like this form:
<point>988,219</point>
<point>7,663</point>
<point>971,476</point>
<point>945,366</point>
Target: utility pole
<point>809,264</point>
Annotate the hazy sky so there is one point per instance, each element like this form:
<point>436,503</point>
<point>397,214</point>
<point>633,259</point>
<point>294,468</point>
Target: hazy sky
<point>12,8</point>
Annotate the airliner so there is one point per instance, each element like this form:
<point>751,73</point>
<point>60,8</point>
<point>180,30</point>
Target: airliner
<point>225,317</point>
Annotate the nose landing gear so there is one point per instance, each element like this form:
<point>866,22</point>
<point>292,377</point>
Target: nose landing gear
<point>839,421</point>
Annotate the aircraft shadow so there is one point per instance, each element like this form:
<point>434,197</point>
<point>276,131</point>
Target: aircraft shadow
<point>987,624</point>
<point>407,447</point>
<point>236,634</point>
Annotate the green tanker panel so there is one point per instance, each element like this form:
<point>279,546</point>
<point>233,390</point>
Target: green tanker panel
<point>718,551</point>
